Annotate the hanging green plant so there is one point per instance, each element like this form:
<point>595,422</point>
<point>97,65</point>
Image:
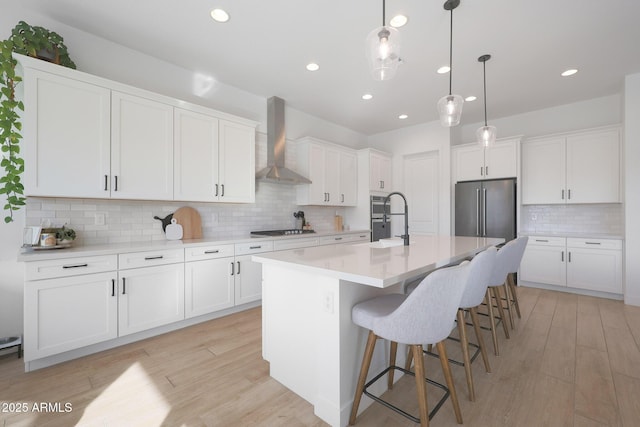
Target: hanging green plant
<point>40,43</point>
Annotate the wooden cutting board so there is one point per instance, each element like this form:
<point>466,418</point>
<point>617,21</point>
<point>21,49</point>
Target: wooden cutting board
<point>189,219</point>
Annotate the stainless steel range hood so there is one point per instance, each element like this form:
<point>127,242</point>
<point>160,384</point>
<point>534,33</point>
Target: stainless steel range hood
<point>275,171</point>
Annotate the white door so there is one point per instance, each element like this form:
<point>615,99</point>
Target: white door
<point>543,172</point>
<point>421,178</point>
<point>594,269</point>
<point>593,167</point>
<point>70,312</point>
<point>380,172</point>
<point>150,297</point>
<point>68,126</point>
<point>141,148</point>
<point>195,156</point>
<point>208,286</point>
<point>348,179</point>
<point>332,176</point>
<point>500,160</point>
<point>544,264</point>
<point>237,163</point>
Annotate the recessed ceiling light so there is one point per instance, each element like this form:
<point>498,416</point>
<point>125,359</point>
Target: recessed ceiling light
<point>312,66</point>
<point>444,70</point>
<point>398,21</point>
<point>367,96</point>
<point>219,15</point>
<point>470,98</point>
<point>402,116</point>
<point>569,72</point>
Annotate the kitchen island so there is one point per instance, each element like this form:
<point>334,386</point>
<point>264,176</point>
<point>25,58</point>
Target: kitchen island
<point>307,294</point>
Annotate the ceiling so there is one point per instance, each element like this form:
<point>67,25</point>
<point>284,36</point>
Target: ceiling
<point>266,45</point>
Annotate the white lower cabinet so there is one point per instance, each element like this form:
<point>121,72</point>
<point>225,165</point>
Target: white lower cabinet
<point>209,283</point>
<point>248,274</point>
<point>589,264</point>
<point>68,313</point>
<point>150,297</point>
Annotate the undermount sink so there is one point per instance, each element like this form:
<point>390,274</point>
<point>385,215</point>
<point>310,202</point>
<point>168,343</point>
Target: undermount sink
<point>384,243</point>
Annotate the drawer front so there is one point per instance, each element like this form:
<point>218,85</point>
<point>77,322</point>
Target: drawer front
<point>546,241</point>
<point>304,242</point>
<point>254,247</point>
<point>53,268</point>
<point>208,252</point>
<point>595,243</point>
<point>361,237</point>
<point>150,258</point>
<point>332,240</point>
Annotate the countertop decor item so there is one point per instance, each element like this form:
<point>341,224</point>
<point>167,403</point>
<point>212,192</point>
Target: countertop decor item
<point>37,42</point>
<point>189,219</point>
<point>174,230</point>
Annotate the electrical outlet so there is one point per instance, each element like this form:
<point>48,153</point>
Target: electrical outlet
<point>100,218</point>
<point>327,302</point>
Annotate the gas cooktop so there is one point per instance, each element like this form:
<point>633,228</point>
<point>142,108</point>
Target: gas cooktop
<point>291,231</point>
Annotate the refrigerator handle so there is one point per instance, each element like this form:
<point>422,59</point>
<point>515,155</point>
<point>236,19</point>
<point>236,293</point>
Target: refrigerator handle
<point>484,212</point>
<point>477,211</point>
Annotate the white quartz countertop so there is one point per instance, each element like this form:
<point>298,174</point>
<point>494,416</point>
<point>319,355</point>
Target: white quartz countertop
<point>376,266</point>
<point>116,248</point>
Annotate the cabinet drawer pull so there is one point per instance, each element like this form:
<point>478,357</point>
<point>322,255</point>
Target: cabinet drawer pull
<point>337,238</point>
<point>255,247</point>
<point>592,243</point>
<point>113,287</point>
<point>75,266</point>
<point>106,182</point>
<point>213,251</point>
<point>124,286</point>
<point>150,258</point>
<point>238,262</point>
<point>232,269</point>
<point>541,240</point>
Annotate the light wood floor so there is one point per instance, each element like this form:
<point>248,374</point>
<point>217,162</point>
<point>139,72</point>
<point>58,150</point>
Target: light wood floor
<point>572,361</point>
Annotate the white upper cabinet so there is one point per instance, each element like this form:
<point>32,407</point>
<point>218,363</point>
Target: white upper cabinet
<point>575,168</point>
<point>332,170</point>
<point>195,156</point>
<point>473,162</point>
<point>237,166</point>
<point>67,137</point>
<point>141,148</point>
<point>379,172</point>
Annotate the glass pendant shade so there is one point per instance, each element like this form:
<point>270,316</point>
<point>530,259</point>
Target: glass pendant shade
<point>450,110</point>
<point>383,52</point>
<point>486,136</point>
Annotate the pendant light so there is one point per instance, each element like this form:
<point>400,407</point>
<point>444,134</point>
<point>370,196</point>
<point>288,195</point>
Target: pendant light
<point>450,106</point>
<point>486,135</point>
<point>383,50</point>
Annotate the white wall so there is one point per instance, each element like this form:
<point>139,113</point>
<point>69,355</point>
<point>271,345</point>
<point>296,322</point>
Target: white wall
<point>419,139</point>
<point>563,118</point>
<point>632,195</point>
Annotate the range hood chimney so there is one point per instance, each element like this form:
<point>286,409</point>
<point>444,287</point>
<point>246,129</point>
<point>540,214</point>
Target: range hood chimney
<point>275,171</point>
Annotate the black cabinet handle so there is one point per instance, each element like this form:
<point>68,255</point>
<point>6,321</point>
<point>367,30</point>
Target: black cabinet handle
<point>562,256</point>
<point>149,258</point>
<point>232,269</point>
<point>75,266</point>
<point>592,243</point>
<point>216,191</point>
<point>541,240</point>
<point>238,266</point>
<point>124,286</point>
<point>337,238</point>
<point>212,251</point>
<point>116,189</point>
<point>222,194</point>
<point>113,287</point>
<point>255,247</point>
<point>106,182</point>
<point>569,256</point>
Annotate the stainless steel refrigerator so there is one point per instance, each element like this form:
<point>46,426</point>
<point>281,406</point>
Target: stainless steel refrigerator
<point>486,208</point>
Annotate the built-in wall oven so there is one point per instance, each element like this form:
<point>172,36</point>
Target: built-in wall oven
<point>380,229</point>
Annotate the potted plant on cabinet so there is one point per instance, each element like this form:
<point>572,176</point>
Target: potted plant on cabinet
<point>40,43</point>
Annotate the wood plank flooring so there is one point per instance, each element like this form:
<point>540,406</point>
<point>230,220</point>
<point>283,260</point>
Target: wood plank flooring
<point>571,361</point>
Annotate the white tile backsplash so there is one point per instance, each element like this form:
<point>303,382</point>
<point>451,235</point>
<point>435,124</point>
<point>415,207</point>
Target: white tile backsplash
<point>132,221</point>
<point>596,218</point>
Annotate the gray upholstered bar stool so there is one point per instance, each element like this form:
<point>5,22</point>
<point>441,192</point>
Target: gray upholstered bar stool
<point>513,264</point>
<point>426,316</point>
<point>481,269</point>
<point>507,262</point>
